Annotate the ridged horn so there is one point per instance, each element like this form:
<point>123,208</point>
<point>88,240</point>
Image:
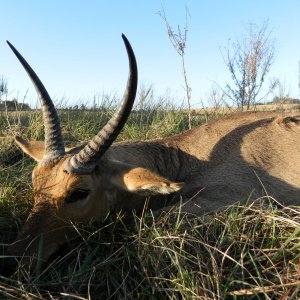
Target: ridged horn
<point>54,146</point>
<point>85,161</point>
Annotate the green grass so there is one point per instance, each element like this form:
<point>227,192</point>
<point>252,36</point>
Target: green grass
<point>244,252</point>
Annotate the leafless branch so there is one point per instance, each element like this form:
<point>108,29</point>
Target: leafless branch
<point>249,60</point>
<point>178,40</point>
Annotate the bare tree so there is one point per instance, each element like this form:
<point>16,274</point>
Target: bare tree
<point>248,61</point>
<point>216,97</point>
<point>3,87</point>
<point>282,92</point>
<point>178,39</point>
<point>144,93</point>
<point>282,95</point>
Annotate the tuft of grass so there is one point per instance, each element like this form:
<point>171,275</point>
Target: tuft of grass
<point>244,252</point>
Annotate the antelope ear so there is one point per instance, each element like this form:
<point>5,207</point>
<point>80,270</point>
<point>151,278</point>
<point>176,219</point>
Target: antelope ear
<point>34,149</point>
<point>144,182</point>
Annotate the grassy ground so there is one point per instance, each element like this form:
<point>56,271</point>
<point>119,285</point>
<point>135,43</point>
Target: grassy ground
<point>245,252</point>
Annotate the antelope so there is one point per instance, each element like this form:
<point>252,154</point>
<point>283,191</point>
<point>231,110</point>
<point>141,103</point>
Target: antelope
<point>236,158</point>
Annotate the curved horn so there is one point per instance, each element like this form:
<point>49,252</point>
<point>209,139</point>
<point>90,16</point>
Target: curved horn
<point>85,161</point>
<point>54,146</point>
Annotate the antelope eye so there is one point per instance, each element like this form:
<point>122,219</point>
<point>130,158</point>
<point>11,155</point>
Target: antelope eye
<point>77,195</point>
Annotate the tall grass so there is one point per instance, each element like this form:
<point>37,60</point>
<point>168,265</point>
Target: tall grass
<point>244,252</point>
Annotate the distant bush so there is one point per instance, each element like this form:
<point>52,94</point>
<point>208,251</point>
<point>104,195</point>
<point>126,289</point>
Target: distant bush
<point>284,100</point>
<point>13,105</point>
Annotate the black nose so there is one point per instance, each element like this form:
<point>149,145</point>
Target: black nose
<point>8,263</point>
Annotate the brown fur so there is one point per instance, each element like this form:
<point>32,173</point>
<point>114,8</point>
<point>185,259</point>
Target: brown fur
<point>232,159</point>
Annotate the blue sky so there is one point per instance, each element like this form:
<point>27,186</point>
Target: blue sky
<point>76,47</point>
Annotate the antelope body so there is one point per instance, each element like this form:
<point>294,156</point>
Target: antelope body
<point>216,164</point>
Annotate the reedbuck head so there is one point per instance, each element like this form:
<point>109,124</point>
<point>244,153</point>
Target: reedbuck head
<point>66,182</point>
<point>80,184</point>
